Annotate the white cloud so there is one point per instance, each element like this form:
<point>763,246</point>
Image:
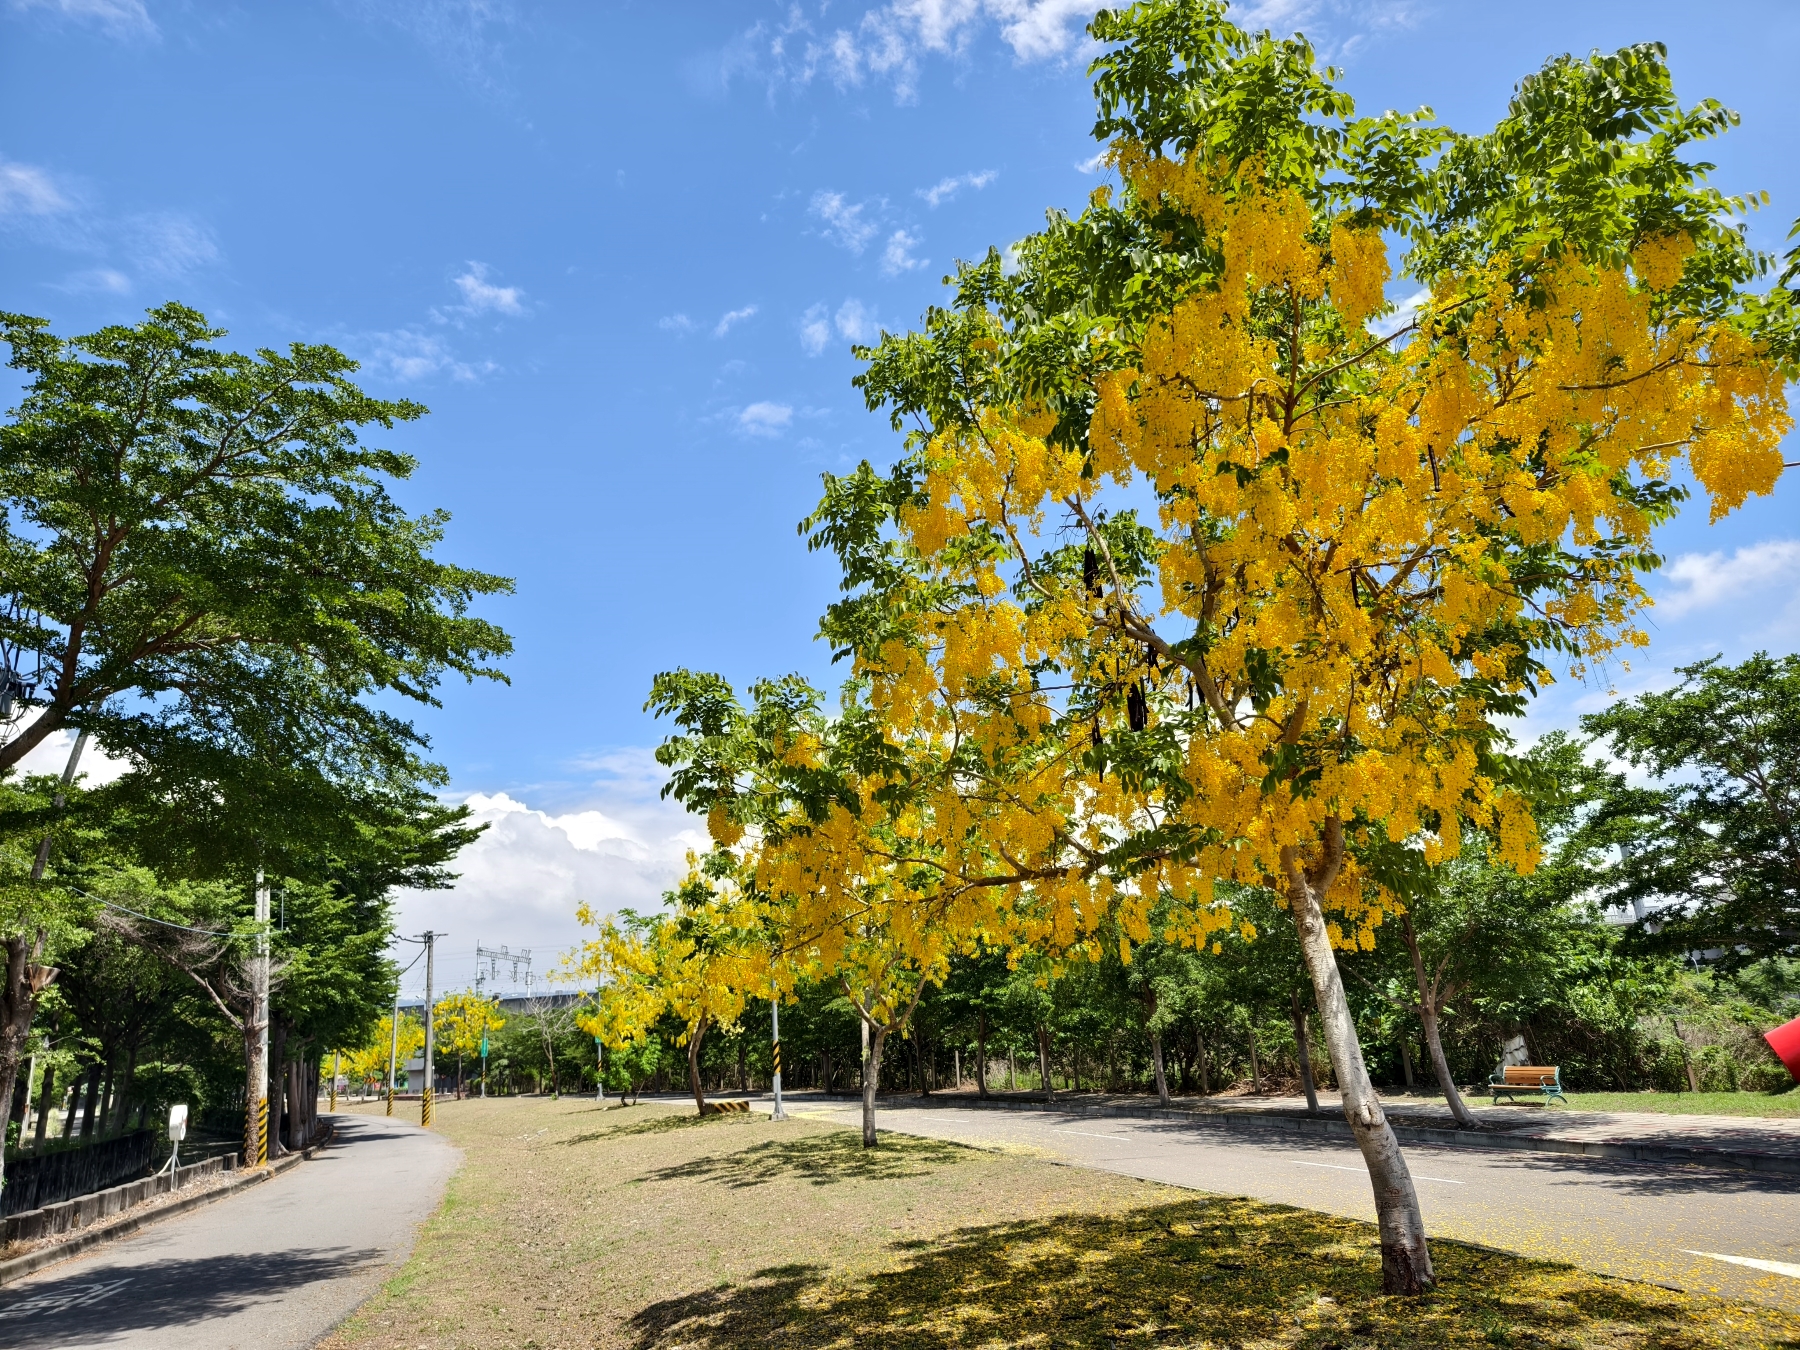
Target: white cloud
<point>892,41</point>
<point>1037,30</point>
<point>96,768</point>
<point>1703,580</point>
<point>521,882</point>
<point>854,321</point>
<point>947,188</point>
<point>116,18</point>
<point>731,318</point>
<point>675,323</point>
<point>411,354</point>
<point>845,224</point>
<point>96,279</point>
<point>815,329</point>
<point>1405,311</point>
<point>480,294</point>
<point>26,190</point>
<point>169,244</point>
<point>897,256</point>
<point>1093,163</point>
<point>765,419</point>
<point>463,36</point>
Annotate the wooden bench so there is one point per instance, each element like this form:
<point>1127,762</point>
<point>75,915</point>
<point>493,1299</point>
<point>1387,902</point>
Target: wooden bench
<point>1531,1079</point>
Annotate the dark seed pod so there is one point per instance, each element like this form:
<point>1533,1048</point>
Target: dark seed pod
<point>1137,710</point>
<point>1090,570</point>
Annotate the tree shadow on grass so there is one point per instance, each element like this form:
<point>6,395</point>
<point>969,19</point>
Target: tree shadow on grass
<point>823,1160</point>
<point>664,1124</point>
<point>1203,1272</point>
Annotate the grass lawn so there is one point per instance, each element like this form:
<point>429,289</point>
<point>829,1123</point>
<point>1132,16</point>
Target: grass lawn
<point>1777,1104</point>
<point>1691,1103</point>
<point>644,1227</point>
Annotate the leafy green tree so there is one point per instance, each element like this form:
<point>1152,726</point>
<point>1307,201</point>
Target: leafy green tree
<point>1718,835</point>
<point>210,565</point>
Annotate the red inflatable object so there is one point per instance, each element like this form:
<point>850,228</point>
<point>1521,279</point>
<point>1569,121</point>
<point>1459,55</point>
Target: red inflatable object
<point>1785,1042</point>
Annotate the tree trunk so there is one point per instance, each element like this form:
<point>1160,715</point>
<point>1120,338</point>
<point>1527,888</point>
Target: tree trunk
<point>1156,1063</point>
<point>1430,1004</point>
<point>1304,1051</point>
<point>1043,1033</point>
<point>25,980</point>
<point>981,1065</point>
<point>91,1103</point>
<point>277,1090</point>
<point>743,1067</point>
<point>296,1096</point>
<point>694,1038</point>
<point>125,1085</point>
<point>1405,1258</point>
<point>1406,1062</point>
<point>1255,1069</point>
<point>1200,1063</point>
<point>871,1078</point>
<point>46,1101</point>
<point>1428,1018</point>
<point>919,1054</point>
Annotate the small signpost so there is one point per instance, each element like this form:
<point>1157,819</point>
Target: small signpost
<point>177,1132</point>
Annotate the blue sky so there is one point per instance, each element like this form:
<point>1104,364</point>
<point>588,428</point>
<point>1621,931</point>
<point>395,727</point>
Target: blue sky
<point>621,251</point>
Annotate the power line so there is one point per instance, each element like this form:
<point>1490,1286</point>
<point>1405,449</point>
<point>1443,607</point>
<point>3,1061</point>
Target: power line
<point>151,918</point>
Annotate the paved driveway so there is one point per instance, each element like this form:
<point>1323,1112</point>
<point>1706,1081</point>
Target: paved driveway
<point>1638,1220</point>
<point>273,1266</point>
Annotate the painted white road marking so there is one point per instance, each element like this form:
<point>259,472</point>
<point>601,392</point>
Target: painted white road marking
<point>1087,1135</point>
<point>1773,1267</point>
<point>76,1296</point>
<point>1364,1171</point>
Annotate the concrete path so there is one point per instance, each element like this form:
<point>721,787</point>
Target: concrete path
<point>271,1267</point>
<point>1689,1227</point>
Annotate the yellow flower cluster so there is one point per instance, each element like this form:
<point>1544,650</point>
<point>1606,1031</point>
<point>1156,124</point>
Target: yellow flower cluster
<point>1381,522</point>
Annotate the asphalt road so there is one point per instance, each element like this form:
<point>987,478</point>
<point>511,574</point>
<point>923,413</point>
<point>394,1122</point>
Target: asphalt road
<point>272,1266</point>
<point>1643,1221</point>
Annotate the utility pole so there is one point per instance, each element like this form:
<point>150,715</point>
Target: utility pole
<point>256,1113</point>
<point>775,1023</point>
<point>430,1040</point>
<point>393,1049</point>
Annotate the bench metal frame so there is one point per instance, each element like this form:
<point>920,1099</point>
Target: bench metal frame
<point>1549,1086</point>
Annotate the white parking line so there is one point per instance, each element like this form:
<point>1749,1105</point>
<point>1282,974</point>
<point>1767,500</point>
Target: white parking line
<point>1773,1267</point>
<point>1365,1171</point>
<point>1085,1134</point>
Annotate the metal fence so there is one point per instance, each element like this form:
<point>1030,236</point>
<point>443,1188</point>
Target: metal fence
<point>50,1178</point>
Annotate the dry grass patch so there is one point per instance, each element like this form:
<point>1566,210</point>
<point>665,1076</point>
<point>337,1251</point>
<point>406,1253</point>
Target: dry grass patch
<point>647,1228</point>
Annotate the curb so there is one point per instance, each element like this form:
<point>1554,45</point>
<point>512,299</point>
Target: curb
<point>126,1224</point>
<point>1746,1160</point>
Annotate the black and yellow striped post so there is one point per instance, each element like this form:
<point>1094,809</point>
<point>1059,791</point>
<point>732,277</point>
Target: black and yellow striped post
<point>775,1032</point>
<point>425,1104</point>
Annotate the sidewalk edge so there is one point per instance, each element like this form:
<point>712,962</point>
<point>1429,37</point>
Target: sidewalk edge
<point>1745,1160</point>
<point>128,1223</point>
